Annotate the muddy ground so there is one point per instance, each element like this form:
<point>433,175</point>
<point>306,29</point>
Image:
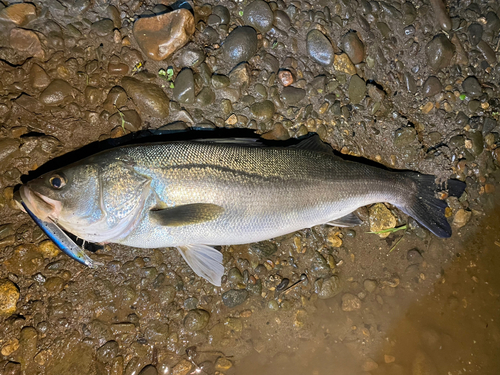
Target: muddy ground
<point>411,85</point>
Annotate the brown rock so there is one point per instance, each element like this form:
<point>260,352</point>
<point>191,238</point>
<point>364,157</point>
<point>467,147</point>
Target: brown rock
<point>461,218</point>
<point>9,294</point>
<point>342,63</point>
<point>119,69</point>
<point>20,14</point>
<point>148,97</point>
<point>58,92</point>
<point>354,47</point>
<point>285,77</point>
<point>162,35</point>
<point>39,79</point>
<point>26,41</point>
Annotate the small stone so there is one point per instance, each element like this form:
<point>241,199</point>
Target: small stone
<point>182,368</point>
<point>370,285</point>
<point>350,302</point>
<point>233,297</point>
<point>292,95</point>
<point>107,352</point>
<point>427,108</point>
<point>184,87</point>
<point>117,69</point>
<point>10,345</point>
<point>127,119</point>
<point>441,14</point>
<point>20,14</point>
<point>381,218</point>
<point>25,261</point>
<point>488,52</point>
<point>475,31</point>
<point>196,320</point>
<point>149,370</point>
<point>404,136</point>
<point>461,218</point>
<point>57,93</point>
<point>343,64</point>
<point>240,76</point>
<point>472,87</point>
<point>414,256</point>
<point>282,20</point>
<point>117,98</point>
<point>354,47</point>
<point>148,97</point>
<point>439,52</point>
<point>328,287</point>
<point>157,331</point>
<point>205,97</point>
<point>38,78</point>
<point>369,365</point>
<point>9,295</point>
<point>26,41</point>
<point>279,133</point>
<point>263,111</point>
<point>389,358</point>
<point>259,15</point>
<point>319,47</point>
<point>223,13</point>
<point>285,77</point>
<point>357,89</point>
<point>240,45</point>
<point>432,86</point>
<point>49,249</point>
<point>220,81</point>
<point>333,239</point>
<point>223,364</point>
<point>160,36</point>
<point>190,56</point>
<point>103,27</point>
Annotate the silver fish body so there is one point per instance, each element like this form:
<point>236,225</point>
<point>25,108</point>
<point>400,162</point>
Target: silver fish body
<point>193,195</point>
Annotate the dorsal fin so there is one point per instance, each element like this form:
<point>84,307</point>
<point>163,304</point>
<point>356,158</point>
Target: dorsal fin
<point>314,143</point>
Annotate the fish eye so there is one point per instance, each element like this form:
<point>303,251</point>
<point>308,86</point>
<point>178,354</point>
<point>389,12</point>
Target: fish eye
<point>57,181</point>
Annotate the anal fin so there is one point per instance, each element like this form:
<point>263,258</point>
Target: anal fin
<point>349,220</point>
<point>205,261</point>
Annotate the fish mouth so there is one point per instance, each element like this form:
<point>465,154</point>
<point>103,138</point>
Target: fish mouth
<point>43,207</point>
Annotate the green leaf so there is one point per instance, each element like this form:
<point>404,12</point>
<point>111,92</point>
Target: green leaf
<point>462,97</point>
<point>390,230</point>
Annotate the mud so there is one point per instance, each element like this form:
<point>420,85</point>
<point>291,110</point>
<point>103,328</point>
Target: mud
<point>411,85</point>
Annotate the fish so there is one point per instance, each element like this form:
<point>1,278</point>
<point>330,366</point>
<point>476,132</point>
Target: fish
<point>194,195</point>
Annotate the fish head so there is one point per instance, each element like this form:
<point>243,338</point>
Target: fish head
<point>70,194</point>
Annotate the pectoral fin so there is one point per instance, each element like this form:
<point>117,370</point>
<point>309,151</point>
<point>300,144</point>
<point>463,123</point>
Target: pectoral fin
<point>205,261</point>
<point>186,214</point>
<point>349,220</point>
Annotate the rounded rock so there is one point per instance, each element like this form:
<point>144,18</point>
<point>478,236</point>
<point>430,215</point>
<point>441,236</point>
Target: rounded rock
<point>149,98</point>
<point>350,302</point>
<point>222,12</point>
<point>57,93</point>
<point>196,320</point>
<point>472,87</point>
<point>234,297</point>
<point>259,15</point>
<point>357,89</point>
<point>9,295</point>
<point>475,31</point>
<point>20,14</point>
<point>160,36</point>
<point>149,370</point>
<point>26,41</point>
<point>439,52</point>
<point>354,47</point>
<point>240,45</point>
<point>292,95</point>
<point>263,111</point>
<point>404,136</point>
<point>319,47</point>
<point>329,287</point>
<point>103,27</point>
<point>38,78</point>
<point>432,86</point>
<point>184,87</point>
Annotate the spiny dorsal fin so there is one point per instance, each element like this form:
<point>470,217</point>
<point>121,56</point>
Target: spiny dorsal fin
<point>314,143</point>
<point>186,214</point>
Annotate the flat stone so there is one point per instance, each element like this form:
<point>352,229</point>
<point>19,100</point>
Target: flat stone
<point>432,86</point>
<point>26,41</point>
<point>343,63</point>
<point>57,93</point>
<point>354,47</point>
<point>263,111</point>
<point>329,287</point>
<point>205,97</point>
<point>103,27</point>
<point>9,295</point>
<point>240,45</point>
<point>223,13</point>
<point>319,47</point>
<point>184,87</point>
<point>196,320</point>
<point>160,36</point>
<point>128,119</point>
<point>292,95</point>
<point>439,52</point>
<point>234,297</point>
<point>472,87</point>
<point>404,136</point>
<point>357,89</point>
<point>20,14</point>
<point>350,302</point>
<point>475,31</point>
<point>259,15</point>
<point>148,97</point>
<point>38,78</point>
<point>117,98</point>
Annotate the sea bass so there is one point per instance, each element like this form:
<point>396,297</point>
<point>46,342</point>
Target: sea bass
<point>199,194</point>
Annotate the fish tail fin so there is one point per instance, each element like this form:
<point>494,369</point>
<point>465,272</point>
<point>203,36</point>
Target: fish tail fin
<point>425,207</point>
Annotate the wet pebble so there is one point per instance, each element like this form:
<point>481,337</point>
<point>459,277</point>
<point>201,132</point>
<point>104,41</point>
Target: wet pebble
<point>357,89</point>
<point>319,47</point>
<point>263,111</point>
<point>25,261</point>
<point>27,346</point>
<point>9,295</point>
<point>439,52</point>
<point>156,331</point>
<point>189,56</point>
<point>354,47</point>
<point>259,15</point>
<point>103,27</point>
<point>20,14</point>
<point>107,352</point>
<point>461,218</point>
<point>350,302</point>
<point>328,287</point>
<point>285,77</point>
<point>182,368</point>
<point>441,14</point>
<point>222,12</point>
<point>432,86</point>
<point>292,95</point>
<point>127,119</point>
<point>117,98</point>
<point>414,256</point>
<point>240,45</point>
<point>381,218</point>
<point>57,93</point>
<point>162,35</point>
<point>205,97</point>
<point>475,31</point>
<point>370,285</point>
<point>149,370</point>
<point>27,42</point>
<point>343,64</point>
<point>184,87</point>
<point>264,249</point>
<point>404,136</point>
<point>282,20</point>
<point>38,78</point>
<point>196,320</point>
<point>148,97</point>
<point>472,87</point>
<point>233,297</point>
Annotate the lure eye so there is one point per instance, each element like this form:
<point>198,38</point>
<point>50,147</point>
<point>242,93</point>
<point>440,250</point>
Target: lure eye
<point>57,181</point>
